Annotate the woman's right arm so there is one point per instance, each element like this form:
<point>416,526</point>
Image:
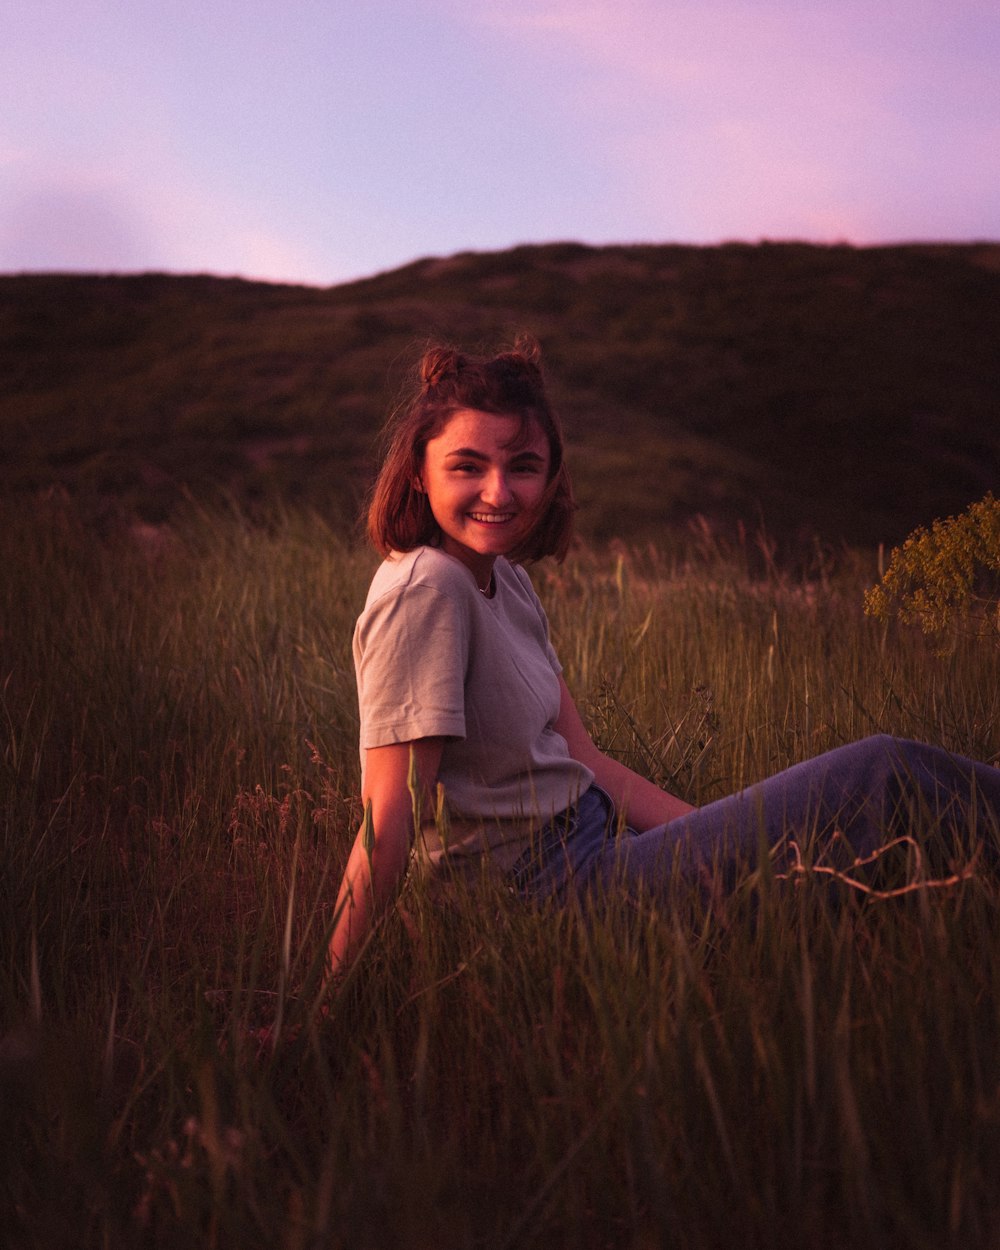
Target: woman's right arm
<point>371,881</point>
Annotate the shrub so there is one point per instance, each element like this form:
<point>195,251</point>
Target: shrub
<point>946,577</point>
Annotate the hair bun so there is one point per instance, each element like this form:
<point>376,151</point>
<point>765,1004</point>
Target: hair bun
<point>526,345</point>
<point>436,364</point>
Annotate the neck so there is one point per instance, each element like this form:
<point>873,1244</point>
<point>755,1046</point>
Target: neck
<point>480,565</point>
<point>482,571</point>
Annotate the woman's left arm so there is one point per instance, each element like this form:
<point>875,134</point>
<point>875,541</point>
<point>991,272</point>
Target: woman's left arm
<point>642,803</point>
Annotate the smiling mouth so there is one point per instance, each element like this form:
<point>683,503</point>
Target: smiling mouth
<point>491,518</point>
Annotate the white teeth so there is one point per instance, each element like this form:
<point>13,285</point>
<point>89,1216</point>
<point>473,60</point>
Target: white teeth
<point>491,518</point>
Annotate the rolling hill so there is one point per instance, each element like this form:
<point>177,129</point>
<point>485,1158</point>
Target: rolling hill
<point>834,391</point>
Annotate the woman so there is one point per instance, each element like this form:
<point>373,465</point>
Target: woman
<point>459,685</point>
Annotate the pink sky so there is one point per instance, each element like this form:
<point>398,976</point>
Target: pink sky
<point>319,140</point>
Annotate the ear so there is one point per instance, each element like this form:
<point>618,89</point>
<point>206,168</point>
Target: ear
<point>418,485</point>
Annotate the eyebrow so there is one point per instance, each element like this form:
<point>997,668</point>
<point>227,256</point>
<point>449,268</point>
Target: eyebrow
<point>471,453</point>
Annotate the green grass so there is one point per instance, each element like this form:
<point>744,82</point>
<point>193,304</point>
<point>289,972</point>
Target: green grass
<point>785,1065</point>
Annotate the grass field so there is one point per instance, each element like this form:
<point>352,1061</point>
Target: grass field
<point>796,1063</point>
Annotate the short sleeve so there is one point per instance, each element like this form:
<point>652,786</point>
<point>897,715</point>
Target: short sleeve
<point>411,649</point>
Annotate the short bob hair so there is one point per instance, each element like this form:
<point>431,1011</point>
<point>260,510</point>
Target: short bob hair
<point>447,380</point>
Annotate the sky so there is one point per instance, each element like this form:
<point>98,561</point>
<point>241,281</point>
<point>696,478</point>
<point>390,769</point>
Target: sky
<point>318,141</point>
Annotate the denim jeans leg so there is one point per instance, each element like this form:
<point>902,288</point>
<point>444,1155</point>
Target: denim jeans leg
<point>866,790</point>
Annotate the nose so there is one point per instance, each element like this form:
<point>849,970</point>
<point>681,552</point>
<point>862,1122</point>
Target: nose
<point>496,492</point>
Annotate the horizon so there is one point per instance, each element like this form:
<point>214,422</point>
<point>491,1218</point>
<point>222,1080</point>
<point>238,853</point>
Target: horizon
<point>541,244</point>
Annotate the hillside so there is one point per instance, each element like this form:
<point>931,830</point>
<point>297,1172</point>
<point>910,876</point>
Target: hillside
<point>850,393</point>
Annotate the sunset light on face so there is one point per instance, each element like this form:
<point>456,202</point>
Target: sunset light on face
<point>321,141</point>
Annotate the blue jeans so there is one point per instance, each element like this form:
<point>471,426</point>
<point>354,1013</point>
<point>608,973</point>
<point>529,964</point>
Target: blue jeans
<point>868,791</point>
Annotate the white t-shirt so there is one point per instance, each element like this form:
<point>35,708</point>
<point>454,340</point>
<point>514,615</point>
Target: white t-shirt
<point>436,658</point>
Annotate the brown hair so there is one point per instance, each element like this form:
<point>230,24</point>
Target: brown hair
<point>447,380</point>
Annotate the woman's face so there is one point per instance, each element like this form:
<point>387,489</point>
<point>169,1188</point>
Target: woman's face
<point>484,492</point>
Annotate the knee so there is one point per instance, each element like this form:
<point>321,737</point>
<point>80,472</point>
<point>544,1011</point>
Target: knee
<point>883,743</point>
<point>897,752</point>
<point>882,763</point>
<point>902,753</point>
<point>904,766</point>
<point>878,750</point>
